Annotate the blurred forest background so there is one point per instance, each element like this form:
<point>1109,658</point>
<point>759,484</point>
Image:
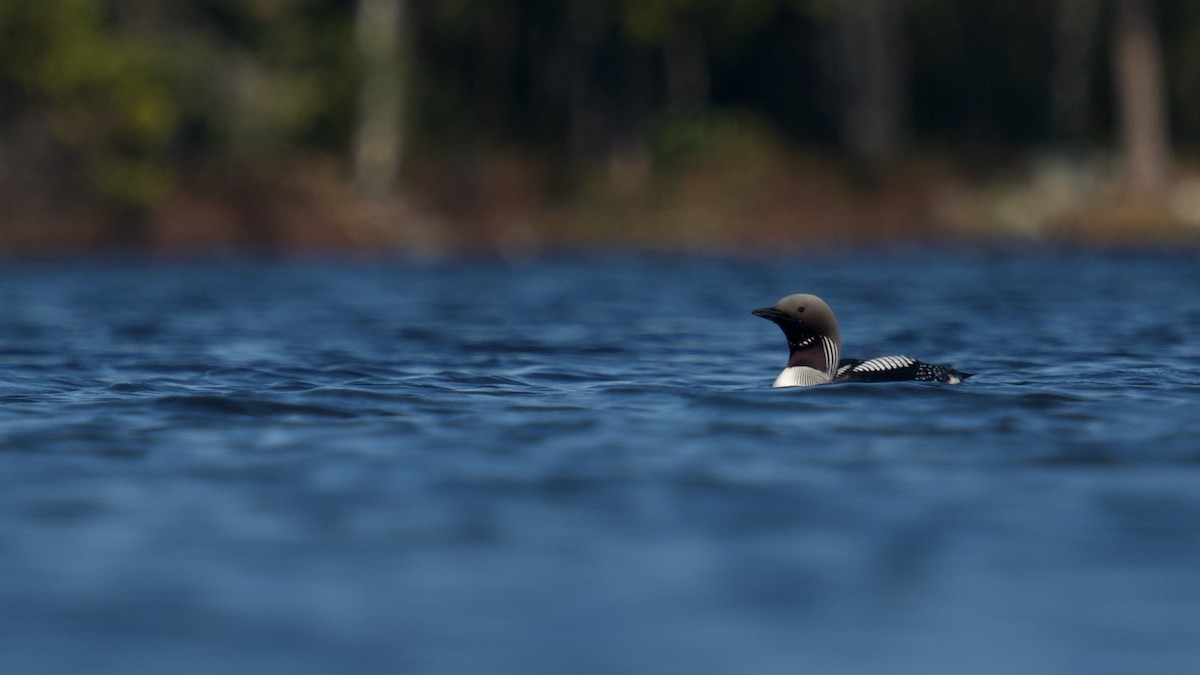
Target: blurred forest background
<point>516,126</point>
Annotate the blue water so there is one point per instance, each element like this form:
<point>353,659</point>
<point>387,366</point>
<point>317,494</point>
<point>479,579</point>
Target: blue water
<point>577,465</point>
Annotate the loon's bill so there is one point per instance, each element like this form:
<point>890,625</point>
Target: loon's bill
<point>815,346</point>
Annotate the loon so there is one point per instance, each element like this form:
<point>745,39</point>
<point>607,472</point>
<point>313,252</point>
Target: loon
<point>816,346</point>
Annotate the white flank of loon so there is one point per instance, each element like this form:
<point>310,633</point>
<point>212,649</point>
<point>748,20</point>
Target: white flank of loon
<point>815,349</point>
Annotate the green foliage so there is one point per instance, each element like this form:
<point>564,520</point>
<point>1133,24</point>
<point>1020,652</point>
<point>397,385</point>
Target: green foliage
<point>136,96</point>
<point>653,21</point>
<point>100,89</point>
<point>683,141</point>
<point>281,74</point>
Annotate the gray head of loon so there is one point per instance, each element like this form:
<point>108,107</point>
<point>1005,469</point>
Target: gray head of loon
<point>811,331</point>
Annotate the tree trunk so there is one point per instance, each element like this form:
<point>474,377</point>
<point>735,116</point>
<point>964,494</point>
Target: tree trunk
<point>1141,100</point>
<point>378,142</point>
<point>1071,77</point>
<point>686,67</point>
<point>875,119</point>
<point>588,124</point>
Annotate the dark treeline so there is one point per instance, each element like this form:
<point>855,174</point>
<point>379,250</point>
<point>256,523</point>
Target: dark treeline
<point>267,122</point>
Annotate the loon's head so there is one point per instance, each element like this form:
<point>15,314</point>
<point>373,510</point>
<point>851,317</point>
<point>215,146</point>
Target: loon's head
<point>811,331</point>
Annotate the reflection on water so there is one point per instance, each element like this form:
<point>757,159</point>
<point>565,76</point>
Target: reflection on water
<point>579,466</point>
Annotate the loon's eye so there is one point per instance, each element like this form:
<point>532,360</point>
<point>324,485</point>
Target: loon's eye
<point>799,309</point>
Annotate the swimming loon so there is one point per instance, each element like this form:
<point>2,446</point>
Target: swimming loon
<point>816,346</point>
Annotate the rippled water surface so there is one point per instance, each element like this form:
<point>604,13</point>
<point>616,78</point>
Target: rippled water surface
<point>578,466</point>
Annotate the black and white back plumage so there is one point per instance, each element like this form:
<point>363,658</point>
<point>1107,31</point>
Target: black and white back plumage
<point>815,344</point>
<point>896,369</point>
